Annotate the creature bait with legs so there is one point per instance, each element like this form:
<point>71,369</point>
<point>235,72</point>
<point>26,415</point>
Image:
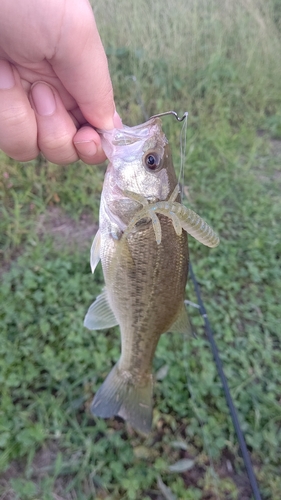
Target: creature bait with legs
<point>142,244</point>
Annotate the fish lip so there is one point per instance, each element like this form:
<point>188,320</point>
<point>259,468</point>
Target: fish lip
<point>130,131</point>
<point>122,143</point>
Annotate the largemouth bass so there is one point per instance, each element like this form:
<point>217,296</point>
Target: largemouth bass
<point>142,245</point>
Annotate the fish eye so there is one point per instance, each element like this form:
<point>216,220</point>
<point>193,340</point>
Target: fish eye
<point>152,161</point>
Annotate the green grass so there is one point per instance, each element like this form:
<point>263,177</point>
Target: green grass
<point>218,60</point>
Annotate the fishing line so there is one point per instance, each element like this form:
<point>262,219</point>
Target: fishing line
<point>210,337</point>
<point>218,362</point>
<point>183,140</point>
<point>232,409</point>
<point>194,406</point>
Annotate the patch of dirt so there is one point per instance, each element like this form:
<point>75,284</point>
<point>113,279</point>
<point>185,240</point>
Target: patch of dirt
<point>44,462</point>
<point>276,147</point>
<point>223,470</point>
<point>65,230</point>
<point>43,466</point>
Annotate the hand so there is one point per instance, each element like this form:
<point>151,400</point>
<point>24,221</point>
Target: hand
<point>54,81</point>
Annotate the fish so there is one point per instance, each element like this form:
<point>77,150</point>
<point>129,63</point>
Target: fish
<point>143,248</point>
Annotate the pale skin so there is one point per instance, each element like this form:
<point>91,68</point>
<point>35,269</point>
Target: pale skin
<point>55,87</point>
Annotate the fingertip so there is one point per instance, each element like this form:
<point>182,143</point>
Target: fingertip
<point>89,158</point>
<point>112,122</point>
<point>88,146</point>
<point>117,121</point>
<point>85,134</point>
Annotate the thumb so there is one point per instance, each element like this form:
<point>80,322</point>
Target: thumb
<point>81,64</point>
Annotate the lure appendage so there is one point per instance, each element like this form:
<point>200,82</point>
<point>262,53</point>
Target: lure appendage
<point>181,216</point>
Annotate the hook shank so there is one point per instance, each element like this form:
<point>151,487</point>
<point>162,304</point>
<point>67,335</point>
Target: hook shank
<point>185,115</point>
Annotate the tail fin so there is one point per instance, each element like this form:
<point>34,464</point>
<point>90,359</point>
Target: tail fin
<point>118,395</point>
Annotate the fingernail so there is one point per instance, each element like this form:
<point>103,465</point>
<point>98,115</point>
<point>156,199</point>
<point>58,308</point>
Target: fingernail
<point>117,120</point>
<point>43,99</point>
<point>7,79</point>
<point>87,148</point>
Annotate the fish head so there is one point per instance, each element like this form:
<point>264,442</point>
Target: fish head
<point>140,161</point>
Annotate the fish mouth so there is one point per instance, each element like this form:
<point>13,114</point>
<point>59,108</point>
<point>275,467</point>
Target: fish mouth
<point>129,135</point>
<point>130,143</point>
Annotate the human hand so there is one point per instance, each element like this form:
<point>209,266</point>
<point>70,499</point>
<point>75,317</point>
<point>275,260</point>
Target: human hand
<point>54,81</point>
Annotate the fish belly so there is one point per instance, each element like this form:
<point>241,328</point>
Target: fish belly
<point>146,289</point>
<point>145,286</point>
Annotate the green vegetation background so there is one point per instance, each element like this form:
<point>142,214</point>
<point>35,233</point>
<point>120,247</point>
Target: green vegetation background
<point>221,61</point>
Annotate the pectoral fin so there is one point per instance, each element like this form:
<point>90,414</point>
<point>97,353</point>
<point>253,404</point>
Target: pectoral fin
<point>100,315</point>
<point>95,251</point>
<point>182,323</point>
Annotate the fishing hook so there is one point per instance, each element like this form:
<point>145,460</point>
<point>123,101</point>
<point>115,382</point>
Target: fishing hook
<point>185,115</point>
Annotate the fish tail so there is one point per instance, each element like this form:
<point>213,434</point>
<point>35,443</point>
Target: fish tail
<point>121,395</point>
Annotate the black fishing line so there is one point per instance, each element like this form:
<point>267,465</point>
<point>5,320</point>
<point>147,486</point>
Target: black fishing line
<point>215,352</point>
<point>233,413</point>
<point>232,409</point>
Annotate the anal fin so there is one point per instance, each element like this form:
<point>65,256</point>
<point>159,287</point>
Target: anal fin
<point>182,323</point>
<point>100,315</point>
